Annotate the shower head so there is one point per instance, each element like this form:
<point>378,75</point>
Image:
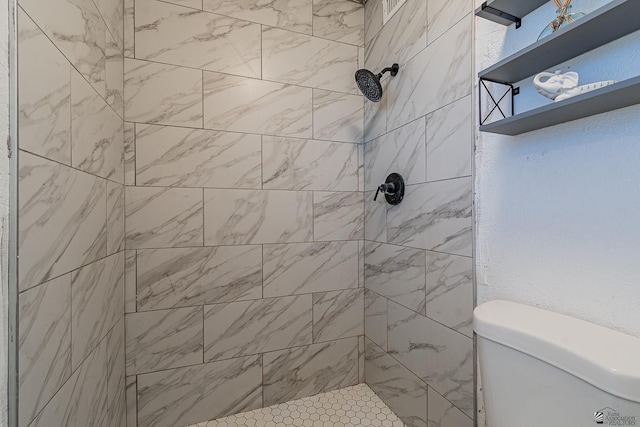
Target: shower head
<point>369,83</point>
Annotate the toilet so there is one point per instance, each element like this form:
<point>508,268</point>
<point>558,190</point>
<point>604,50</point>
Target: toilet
<point>540,368</point>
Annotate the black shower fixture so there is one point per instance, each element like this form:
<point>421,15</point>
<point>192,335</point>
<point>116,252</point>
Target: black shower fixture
<point>369,83</point>
<point>393,189</point>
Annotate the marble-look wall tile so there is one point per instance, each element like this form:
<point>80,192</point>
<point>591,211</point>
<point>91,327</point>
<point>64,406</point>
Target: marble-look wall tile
<point>338,216</point>
<point>401,151</point>
<point>375,318</point>
<point>44,316</point>
<point>97,133</point>
<point>361,362</point>
<point>129,153</point>
<point>162,94</point>
<point>77,29</point>
<point>289,57</point>
<point>443,413</point>
<point>305,371</point>
<point>361,253</point>
<point>342,21</point>
<point>402,37</point>
<point>292,15</point>
<point>114,76</point>
<point>181,157</point>
<point>132,400</point>
<point>435,216</point>
<point>199,393</point>
<point>450,141</point>
<point>302,268</point>
<point>112,12</point>
<point>257,216</point>
<point>450,291</point>
<point>115,217</point>
<point>375,115</point>
<point>434,78</point>
<point>338,315</point>
<point>251,327</point>
<point>163,217</point>
<point>181,36</point>
<point>163,339</point>
<point>338,116</point>
<point>82,400</point>
<point>62,219</point>
<point>400,389</point>
<point>240,104</point>
<point>397,273</point>
<point>97,302</point>
<point>441,356</point>
<point>375,217</point>
<point>444,14</point>
<point>170,278</point>
<point>115,371</point>
<point>44,94</point>
<point>372,19</point>
<point>361,167</point>
<point>193,4</point>
<point>302,164</point>
<point>129,30</point>
<point>130,272</point>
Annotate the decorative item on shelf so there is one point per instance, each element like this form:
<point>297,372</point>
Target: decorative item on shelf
<point>559,86</point>
<point>564,18</point>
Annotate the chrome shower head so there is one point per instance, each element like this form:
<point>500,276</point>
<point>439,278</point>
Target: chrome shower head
<point>369,83</point>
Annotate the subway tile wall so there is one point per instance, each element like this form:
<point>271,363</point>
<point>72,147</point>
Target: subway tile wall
<point>244,205</point>
<point>418,255</point>
<point>71,345</point>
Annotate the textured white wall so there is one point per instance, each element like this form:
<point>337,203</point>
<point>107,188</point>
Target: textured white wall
<point>558,209</point>
<point>4,203</point>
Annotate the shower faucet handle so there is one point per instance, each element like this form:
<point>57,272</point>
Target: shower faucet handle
<point>386,188</point>
<point>393,189</point>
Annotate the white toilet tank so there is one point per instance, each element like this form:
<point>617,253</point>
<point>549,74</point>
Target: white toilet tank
<point>540,368</point>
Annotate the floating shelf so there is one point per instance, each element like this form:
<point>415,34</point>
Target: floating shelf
<point>610,22</point>
<point>613,97</point>
<point>497,9</point>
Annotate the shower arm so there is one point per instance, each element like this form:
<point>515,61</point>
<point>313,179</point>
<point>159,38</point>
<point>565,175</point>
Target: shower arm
<point>393,70</point>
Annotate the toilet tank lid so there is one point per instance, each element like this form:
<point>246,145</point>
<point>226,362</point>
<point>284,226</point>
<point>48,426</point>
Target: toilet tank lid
<point>607,359</point>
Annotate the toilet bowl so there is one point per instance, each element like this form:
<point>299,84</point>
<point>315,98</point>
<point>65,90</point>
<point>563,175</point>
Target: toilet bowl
<point>540,368</point>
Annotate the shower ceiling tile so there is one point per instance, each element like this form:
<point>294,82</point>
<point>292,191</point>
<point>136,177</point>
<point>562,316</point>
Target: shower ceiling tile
<point>292,15</point>
<point>305,371</point>
<point>399,388</point>
<point>437,76</point>
<point>397,273</point>
<point>299,164</point>
<point>450,291</point>
<point>77,29</point>
<point>375,318</point>
<point>195,276</point>
<point>159,217</point>
<point>339,20</point>
<point>183,396</point>
<point>252,327</point>
<point>241,104</point>
<point>400,39</point>
<point>302,268</point>
<point>115,217</point>
<point>181,157</point>
<point>162,339</point>
<point>434,216</point>
<point>450,141</point>
<point>234,217</point>
<point>162,94</point>
<point>45,344</point>
<point>181,36</point>
<point>289,57</point>
<point>338,216</point>
<point>338,116</point>
<point>67,232</point>
<point>401,151</point>
<point>97,132</point>
<point>442,357</point>
<point>97,302</point>
<point>338,314</point>
<point>44,94</point>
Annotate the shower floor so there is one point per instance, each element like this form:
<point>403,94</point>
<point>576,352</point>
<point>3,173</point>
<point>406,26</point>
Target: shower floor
<point>348,407</point>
